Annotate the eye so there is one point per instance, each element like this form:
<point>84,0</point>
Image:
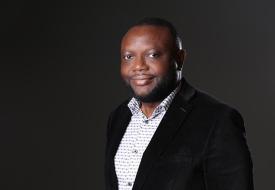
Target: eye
<point>153,55</point>
<point>127,57</point>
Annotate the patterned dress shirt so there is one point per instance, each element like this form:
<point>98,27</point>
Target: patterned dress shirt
<point>137,136</point>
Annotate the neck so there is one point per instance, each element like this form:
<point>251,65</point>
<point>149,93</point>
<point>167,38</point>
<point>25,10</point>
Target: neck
<point>148,108</point>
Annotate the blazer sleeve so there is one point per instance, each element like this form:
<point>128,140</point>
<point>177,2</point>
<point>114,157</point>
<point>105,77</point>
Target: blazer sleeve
<point>227,162</point>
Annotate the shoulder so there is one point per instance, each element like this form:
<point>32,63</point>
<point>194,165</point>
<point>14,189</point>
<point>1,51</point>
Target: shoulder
<point>218,121</point>
<point>120,108</point>
<point>115,116</point>
<point>208,114</point>
<point>119,112</point>
<point>203,104</point>
<point>227,118</point>
<point>209,104</point>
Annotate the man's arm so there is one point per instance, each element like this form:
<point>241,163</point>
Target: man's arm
<point>227,163</point>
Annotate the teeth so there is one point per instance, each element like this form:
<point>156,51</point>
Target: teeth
<point>141,77</point>
<point>142,81</point>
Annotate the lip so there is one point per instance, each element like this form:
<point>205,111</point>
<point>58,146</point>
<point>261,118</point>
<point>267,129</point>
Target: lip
<point>141,77</point>
<point>142,80</point>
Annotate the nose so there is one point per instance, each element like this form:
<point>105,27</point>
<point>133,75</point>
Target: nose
<point>140,65</point>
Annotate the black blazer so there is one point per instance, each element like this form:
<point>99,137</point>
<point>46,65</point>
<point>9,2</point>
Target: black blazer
<point>200,144</point>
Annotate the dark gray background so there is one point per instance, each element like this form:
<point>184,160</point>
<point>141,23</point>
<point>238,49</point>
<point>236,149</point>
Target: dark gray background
<point>59,79</point>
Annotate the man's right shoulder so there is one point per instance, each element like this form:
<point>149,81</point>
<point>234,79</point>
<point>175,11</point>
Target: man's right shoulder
<point>115,115</point>
<point>120,108</point>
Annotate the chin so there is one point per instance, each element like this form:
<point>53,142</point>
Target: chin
<point>142,93</point>
<point>152,96</point>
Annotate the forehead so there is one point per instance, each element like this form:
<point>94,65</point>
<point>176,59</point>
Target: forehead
<point>147,35</point>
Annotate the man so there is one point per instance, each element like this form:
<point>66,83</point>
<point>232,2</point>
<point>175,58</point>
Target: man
<point>170,135</point>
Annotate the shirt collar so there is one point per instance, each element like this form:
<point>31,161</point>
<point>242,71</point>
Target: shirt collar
<point>134,104</point>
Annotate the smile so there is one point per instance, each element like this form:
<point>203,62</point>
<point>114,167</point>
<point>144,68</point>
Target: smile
<point>142,80</point>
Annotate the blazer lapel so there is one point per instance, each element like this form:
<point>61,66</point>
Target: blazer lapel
<point>166,131</point>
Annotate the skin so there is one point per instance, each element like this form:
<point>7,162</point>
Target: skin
<point>148,55</point>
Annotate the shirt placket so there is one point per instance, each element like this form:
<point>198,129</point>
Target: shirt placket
<point>133,153</point>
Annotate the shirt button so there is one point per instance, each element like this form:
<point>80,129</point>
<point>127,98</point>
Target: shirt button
<point>129,183</point>
<point>135,151</point>
<point>146,121</point>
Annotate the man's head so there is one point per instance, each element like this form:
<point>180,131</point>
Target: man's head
<point>151,54</point>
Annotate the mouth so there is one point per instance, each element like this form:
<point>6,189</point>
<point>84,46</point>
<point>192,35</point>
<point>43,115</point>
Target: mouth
<point>142,80</point>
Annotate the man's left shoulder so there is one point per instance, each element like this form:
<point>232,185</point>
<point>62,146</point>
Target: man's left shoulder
<point>205,101</point>
<point>209,107</point>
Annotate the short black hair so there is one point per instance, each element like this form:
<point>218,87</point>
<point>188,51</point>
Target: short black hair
<point>155,21</point>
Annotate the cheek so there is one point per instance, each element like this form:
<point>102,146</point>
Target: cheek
<point>124,72</point>
<point>161,69</point>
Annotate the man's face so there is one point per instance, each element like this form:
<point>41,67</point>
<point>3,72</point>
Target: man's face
<point>147,62</point>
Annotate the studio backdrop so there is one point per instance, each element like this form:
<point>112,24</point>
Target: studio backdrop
<point>59,80</point>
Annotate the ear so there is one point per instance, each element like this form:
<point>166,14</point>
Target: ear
<point>180,58</point>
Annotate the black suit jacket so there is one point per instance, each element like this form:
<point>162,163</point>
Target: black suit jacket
<point>200,144</point>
